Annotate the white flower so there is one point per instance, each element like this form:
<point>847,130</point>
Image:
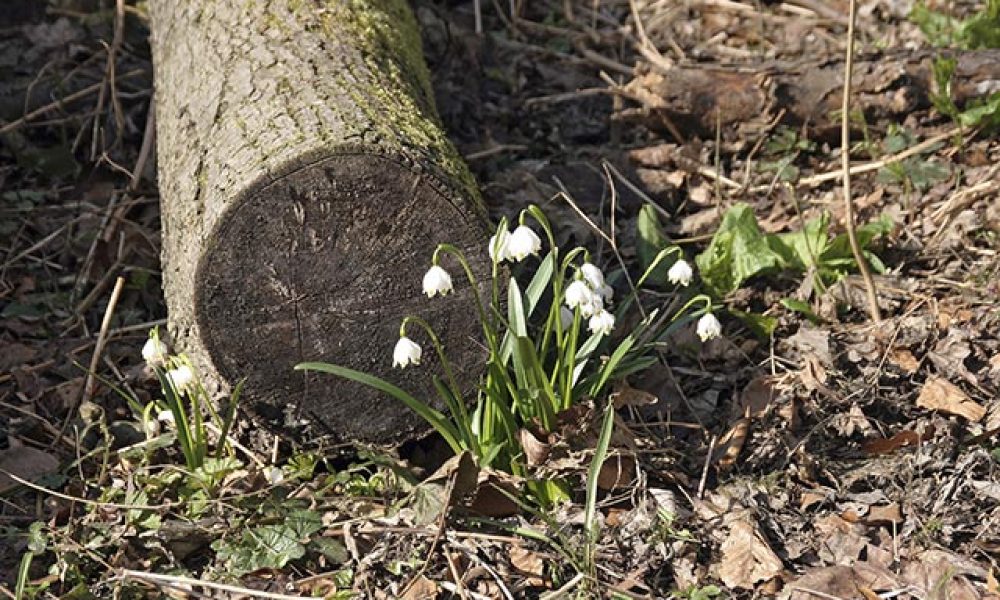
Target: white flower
<point>499,251</point>
<point>437,281</point>
<point>523,241</point>
<point>275,475</point>
<point>709,327</point>
<point>594,306</point>
<point>681,273</point>
<point>593,276</point>
<point>565,317</point>
<point>406,352</point>
<point>154,352</point>
<point>578,293</point>
<point>602,323</point>
<point>165,416</point>
<point>606,292</point>
<point>181,378</point>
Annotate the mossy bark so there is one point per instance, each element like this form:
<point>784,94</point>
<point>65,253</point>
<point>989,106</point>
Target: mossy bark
<point>305,180</point>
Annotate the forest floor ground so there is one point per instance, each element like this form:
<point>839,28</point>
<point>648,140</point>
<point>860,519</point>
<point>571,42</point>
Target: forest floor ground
<point>809,452</point>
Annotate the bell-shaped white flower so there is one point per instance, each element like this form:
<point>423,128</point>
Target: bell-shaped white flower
<point>593,276</point>
<point>437,281</point>
<point>498,246</point>
<point>680,273</point>
<point>274,475</point>
<point>593,306</point>
<point>578,293</point>
<point>565,317</point>
<point>154,352</point>
<point>709,327</point>
<point>523,241</point>
<point>606,292</point>
<point>602,323</point>
<point>181,378</point>
<point>406,352</point>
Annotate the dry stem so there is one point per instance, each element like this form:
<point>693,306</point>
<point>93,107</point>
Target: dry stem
<point>845,158</point>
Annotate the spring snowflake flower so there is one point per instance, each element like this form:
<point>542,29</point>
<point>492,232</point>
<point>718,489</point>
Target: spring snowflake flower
<point>578,293</point>
<point>182,378</point>
<point>602,323</point>
<point>593,276</point>
<point>709,327</point>
<point>565,317</point>
<point>498,246</point>
<point>406,352</point>
<point>523,241</point>
<point>594,306</point>
<point>606,292</point>
<point>154,352</point>
<point>437,281</point>
<point>681,273</point>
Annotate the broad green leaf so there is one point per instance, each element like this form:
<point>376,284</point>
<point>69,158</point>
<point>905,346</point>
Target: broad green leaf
<point>762,326</point>
<point>738,251</point>
<point>434,417</point>
<point>801,307</point>
<point>649,242</point>
<point>600,455</point>
<point>808,244</point>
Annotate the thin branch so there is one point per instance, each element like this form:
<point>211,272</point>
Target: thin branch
<point>845,159</point>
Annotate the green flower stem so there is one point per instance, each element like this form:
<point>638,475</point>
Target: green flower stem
<point>554,322</point>
<point>488,329</point>
<point>460,411</point>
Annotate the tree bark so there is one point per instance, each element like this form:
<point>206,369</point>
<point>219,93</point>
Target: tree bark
<point>698,99</point>
<point>305,181</point>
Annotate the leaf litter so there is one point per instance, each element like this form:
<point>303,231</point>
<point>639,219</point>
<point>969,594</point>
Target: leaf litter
<point>850,459</point>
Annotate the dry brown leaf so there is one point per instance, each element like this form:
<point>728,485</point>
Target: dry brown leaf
<point>810,498</point>
<point>530,564</point>
<point>626,395</point>
<point>536,451</point>
<point>617,471</point>
<point>24,462</point>
<point>731,443</point>
<point>942,395</point>
<point>900,440</point>
<point>420,588</point>
<point>889,513</point>
<point>992,585</point>
<point>757,397</point>
<point>904,359</point>
<point>746,557</point>
<point>842,581</point>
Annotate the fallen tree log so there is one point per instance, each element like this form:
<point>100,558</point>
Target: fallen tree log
<point>694,100</point>
<point>305,181</point>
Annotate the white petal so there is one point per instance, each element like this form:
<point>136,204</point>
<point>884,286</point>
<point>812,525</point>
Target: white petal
<point>498,246</point>
<point>593,306</point>
<point>406,352</point>
<point>437,281</point>
<point>523,241</point>
<point>606,292</point>
<point>181,378</point>
<point>593,276</point>
<point>602,322</point>
<point>709,327</point>
<point>578,293</point>
<point>154,352</point>
<point>680,273</point>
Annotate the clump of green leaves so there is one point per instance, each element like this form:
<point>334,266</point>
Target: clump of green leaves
<point>981,30</point>
<point>740,250</point>
<point>544,341</point>
<point>915,172</point>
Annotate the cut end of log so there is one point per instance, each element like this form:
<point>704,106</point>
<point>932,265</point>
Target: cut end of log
<point>322,263</point>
